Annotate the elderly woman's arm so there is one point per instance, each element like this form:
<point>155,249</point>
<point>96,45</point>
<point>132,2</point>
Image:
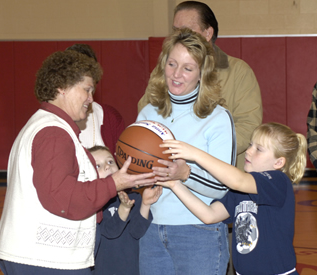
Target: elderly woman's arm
<point>55,177</point>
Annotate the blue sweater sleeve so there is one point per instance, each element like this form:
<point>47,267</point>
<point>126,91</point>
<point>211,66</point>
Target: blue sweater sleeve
<point>221,143</point>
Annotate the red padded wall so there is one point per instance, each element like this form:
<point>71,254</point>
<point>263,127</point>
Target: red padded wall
<point>266,56</point>
<point>286,75</point>
<point>28,58</point>
<point>126,70</point>
<point>155,47</point>
<point>7,107</point>
<point>285,69</point>
<point>301,56</point>
<point>231,46</point>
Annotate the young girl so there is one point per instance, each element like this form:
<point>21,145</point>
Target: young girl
<point>261,204</point>
<point>125,220</point>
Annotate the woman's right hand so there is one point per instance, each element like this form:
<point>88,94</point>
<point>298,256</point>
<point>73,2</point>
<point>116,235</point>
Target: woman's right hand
<point>171,170</point>
<point>123,180</point>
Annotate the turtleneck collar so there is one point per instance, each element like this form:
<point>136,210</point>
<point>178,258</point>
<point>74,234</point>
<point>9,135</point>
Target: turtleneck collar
<point>184,99</point>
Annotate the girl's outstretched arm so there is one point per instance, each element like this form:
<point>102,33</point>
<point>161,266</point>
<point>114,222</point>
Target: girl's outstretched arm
<point>216,212</point>
<point>225,173</point>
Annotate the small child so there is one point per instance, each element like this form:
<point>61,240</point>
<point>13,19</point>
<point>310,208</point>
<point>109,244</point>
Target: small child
<point>261,204</point>
<point>125,220</point>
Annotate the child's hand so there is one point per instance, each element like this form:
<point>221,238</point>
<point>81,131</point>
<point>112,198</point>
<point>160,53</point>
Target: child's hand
<point>179,149</point>
<point>151,194</point>
<point>125,200</point>
<point>169,184</point>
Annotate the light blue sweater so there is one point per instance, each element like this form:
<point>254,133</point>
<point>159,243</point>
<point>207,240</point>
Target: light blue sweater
<point>214,134</point>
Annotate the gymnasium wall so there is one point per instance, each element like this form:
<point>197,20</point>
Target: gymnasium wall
<point>285,68</point>
<point>139,19</point>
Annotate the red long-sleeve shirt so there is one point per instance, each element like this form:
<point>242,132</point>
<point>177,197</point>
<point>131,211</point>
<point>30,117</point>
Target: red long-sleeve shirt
<point>56,170</point>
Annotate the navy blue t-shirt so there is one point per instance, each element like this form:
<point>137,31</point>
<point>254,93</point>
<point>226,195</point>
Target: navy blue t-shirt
<point>263,225</point>
<point>118,252</point>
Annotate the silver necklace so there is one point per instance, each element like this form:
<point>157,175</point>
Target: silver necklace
<point>181,114</point>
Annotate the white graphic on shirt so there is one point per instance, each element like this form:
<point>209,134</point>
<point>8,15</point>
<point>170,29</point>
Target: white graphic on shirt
<point>112,210</point>
<point>266,174</point>
<point>246,229</point>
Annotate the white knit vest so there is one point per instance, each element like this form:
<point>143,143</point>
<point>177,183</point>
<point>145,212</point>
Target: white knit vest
<point>31,235</point>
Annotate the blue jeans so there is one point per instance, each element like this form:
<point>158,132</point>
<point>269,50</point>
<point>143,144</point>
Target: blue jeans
<point>184,250</point>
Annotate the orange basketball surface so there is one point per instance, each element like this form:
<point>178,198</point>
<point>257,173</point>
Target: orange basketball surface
<point>141,141</point>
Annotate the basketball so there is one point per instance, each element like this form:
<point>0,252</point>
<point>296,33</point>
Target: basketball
<point>141,140</point>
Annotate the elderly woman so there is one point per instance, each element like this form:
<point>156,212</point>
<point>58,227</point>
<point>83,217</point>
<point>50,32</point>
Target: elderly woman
<point>184,95</point>
<point>104,124</point>
<point>53,194</point>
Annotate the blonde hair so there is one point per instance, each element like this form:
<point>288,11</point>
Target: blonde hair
<point>285,143</point>
<point>99,147</point>
<point>202,52</point>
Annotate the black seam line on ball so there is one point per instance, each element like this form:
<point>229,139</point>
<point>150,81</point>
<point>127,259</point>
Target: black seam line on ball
<point>139,150</point>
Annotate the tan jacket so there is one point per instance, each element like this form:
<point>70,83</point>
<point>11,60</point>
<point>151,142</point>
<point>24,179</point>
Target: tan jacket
<point>242,93</point>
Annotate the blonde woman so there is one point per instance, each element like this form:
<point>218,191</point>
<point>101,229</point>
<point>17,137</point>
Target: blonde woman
<point>184,95</point>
